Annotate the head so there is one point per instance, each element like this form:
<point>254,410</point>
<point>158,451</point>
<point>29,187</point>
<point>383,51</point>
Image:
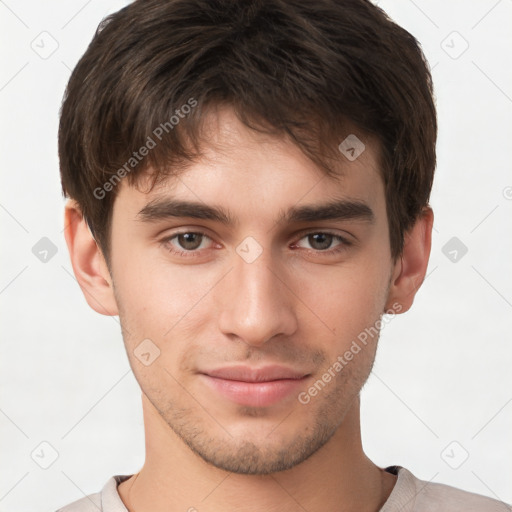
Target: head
<point>249,185</point>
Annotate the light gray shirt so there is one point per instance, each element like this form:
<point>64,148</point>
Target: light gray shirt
<point>409,494</point>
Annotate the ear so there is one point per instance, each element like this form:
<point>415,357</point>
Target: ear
<point>88,263</point>
<point>410,269</point>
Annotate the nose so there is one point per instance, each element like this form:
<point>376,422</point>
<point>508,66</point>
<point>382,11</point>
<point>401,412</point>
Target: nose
<point>257,303</point>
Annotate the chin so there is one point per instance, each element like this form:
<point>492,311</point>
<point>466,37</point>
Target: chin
<point>264,452</point>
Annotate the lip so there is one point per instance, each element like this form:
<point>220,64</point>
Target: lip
<point>254,387</point>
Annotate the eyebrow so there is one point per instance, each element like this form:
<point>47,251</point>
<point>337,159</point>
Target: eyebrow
<point>162,209</point>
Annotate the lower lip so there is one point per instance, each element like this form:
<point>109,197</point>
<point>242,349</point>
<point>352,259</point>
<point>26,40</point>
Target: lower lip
<point>255,394</point>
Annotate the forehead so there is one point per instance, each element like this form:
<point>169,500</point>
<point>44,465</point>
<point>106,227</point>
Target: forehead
<point>254,172</point>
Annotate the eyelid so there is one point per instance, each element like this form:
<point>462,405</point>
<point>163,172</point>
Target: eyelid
<point>170,234</point>
<point>344,242</point>
<point>348,237</point>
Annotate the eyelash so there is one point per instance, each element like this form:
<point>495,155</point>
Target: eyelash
<point>194,253</point>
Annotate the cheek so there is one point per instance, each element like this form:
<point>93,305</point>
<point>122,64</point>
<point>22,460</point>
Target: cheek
<point>347,298</point>
<point>155,295</point>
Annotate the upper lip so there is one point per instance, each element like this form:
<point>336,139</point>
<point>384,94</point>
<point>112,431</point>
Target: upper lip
<point>248,374</point>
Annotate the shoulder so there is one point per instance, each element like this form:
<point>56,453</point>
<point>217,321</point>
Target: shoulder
<point>415,495</point>
<point>107,500</point>
<point>91,503</point>
<point>433,495</point>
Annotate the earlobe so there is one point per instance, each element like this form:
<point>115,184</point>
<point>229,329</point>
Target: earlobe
<point>88,262</point>
<point>410,269</point>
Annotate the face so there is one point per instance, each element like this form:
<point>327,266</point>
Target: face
<point>238,314</point>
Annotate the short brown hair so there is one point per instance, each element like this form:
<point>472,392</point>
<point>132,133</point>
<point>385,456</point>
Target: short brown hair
<point>287,67</point>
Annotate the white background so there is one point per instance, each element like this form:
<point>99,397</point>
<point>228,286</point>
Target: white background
<point>441,388</point>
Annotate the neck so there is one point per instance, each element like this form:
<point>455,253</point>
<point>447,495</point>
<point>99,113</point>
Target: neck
<point>338,477</point>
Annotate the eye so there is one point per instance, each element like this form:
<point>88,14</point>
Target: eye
<point>191,243</point>
<point>186,243</point>
<point>323,242</point>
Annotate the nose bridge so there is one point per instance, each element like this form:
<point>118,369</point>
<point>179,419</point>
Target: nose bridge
<point>256,304</point>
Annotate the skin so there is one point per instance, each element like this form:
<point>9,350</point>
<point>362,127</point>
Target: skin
<point>297,304</point>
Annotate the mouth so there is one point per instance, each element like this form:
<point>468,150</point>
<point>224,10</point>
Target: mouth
<point>254,387</point>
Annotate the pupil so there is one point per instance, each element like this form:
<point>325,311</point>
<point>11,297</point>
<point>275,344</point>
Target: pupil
<point>190,240</point>
<point>321,240</point>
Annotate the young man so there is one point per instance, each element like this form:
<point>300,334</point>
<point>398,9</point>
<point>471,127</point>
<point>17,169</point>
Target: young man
<point>249,186</point>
